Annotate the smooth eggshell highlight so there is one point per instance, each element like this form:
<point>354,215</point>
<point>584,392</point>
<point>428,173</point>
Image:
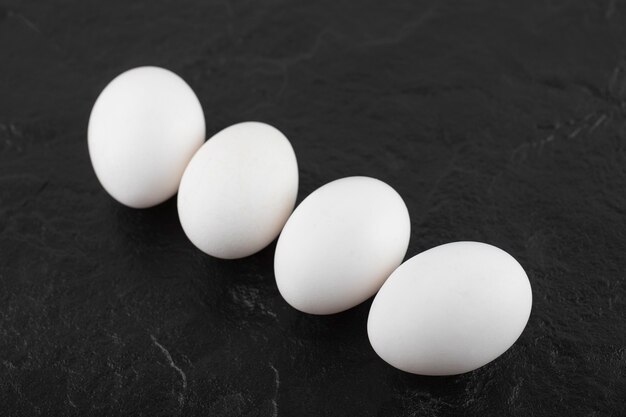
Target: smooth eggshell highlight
<point>340,245</point>
<point>450,309</point>
<point>238,190</point>
<point>144,128</point>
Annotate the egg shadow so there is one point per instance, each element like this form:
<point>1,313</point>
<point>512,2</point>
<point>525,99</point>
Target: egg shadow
<point>158,222</point>
<point>238,288</point>
<point>152,244</point>
<point>330,332</point>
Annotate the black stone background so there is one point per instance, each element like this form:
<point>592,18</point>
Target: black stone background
<point>497,121</point>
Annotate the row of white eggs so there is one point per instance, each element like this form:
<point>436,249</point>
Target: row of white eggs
<point>448,310</point>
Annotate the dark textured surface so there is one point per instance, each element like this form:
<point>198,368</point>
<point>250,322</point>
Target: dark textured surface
<point>502,122</point>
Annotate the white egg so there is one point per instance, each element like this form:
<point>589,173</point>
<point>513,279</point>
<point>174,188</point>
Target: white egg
<point>450,309</point>
<point>340,245</point>
<point>144,128</point>
<point>238,190</point>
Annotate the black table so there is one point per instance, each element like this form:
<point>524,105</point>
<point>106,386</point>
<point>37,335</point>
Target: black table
<point>502,122</point>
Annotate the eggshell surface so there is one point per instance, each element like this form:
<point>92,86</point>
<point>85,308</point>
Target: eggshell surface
<point>144,128</point>
<point>340,244</point>
<point>238,190</point>
<point>450,309</point>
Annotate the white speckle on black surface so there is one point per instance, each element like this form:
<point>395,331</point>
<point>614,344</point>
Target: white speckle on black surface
<point>170,361</point>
